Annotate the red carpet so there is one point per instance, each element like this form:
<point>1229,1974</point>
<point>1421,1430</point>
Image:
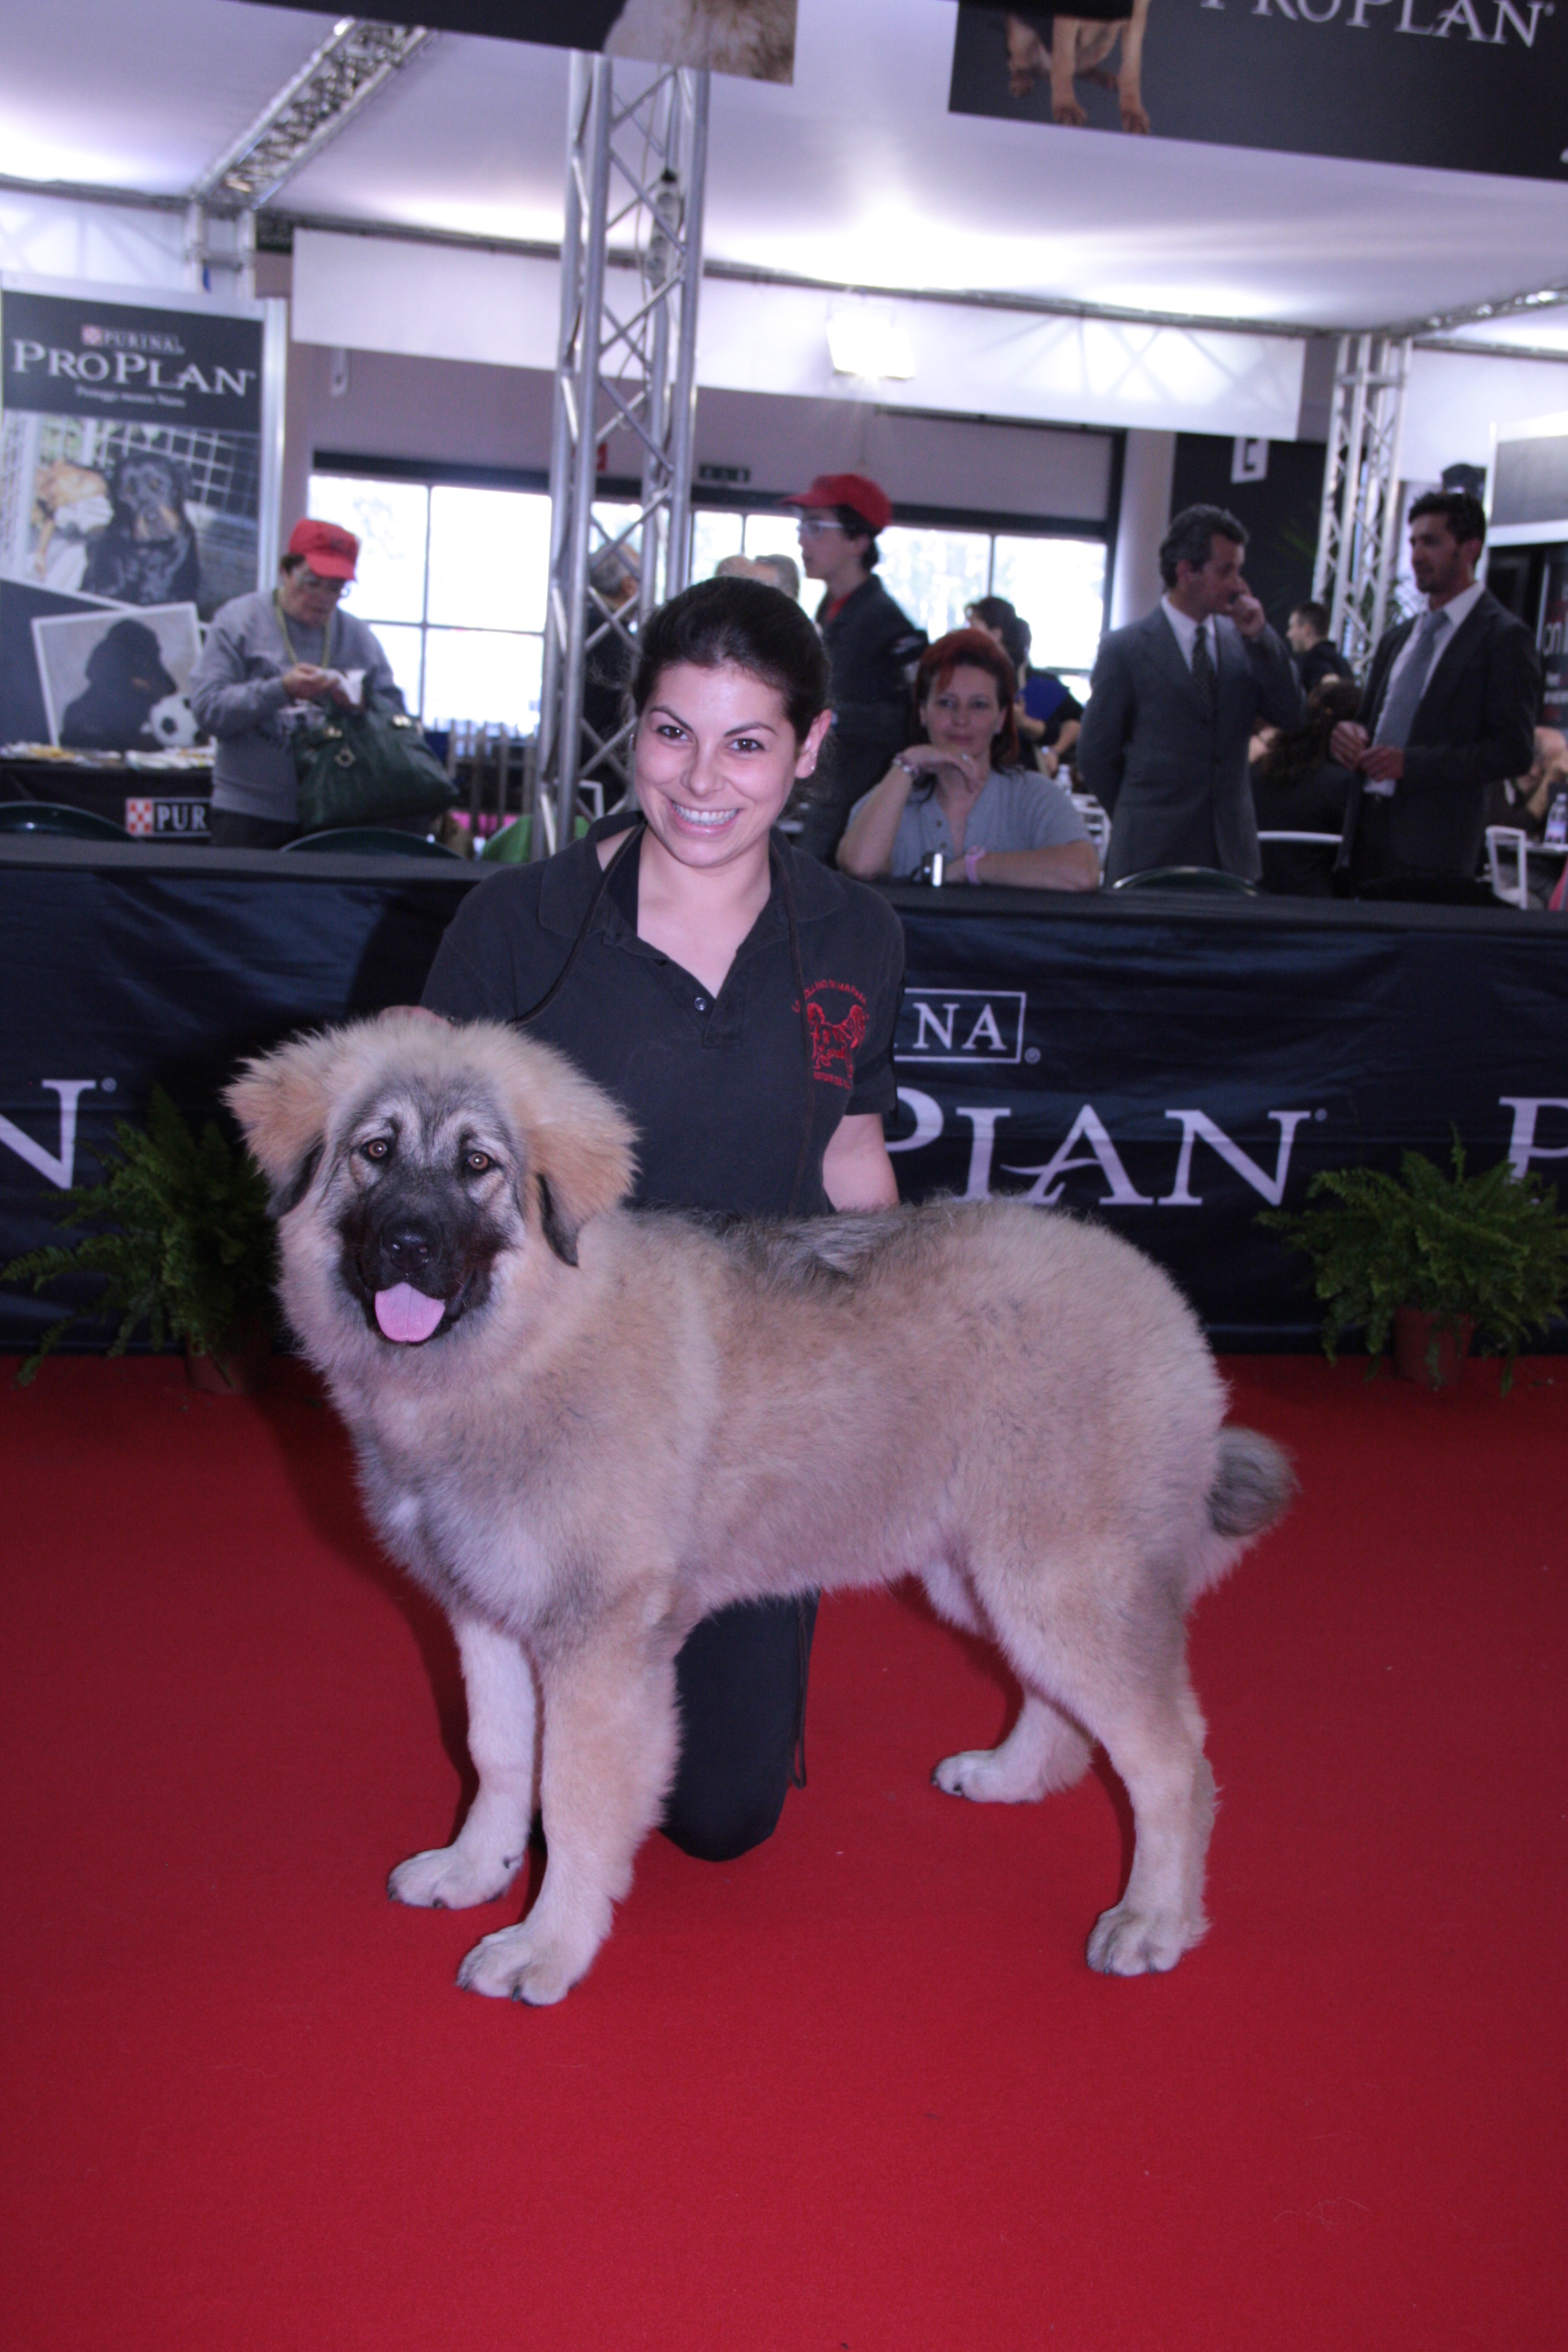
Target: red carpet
<point>855,2093</point>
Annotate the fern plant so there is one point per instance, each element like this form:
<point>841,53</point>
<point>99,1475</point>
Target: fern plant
<point>183,1240</point>
<point>1489,1250</point>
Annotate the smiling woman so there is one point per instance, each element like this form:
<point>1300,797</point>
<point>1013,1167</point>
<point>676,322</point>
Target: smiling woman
<point>957,790</point>
<point>738,1000</point>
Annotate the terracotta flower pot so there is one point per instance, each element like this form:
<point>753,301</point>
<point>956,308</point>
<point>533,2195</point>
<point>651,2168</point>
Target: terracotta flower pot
<point>1426,1348</point>
<point>231,1371</point>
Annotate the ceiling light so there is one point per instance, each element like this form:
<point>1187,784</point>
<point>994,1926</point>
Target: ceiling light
<point>872,344</point>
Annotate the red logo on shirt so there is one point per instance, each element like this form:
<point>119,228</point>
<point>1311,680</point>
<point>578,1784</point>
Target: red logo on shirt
<point>834,1042</point>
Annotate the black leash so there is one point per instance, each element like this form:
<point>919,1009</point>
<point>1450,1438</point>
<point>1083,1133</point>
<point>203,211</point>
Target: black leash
<point>634,832</point>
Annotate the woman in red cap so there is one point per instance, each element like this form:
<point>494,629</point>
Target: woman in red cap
<point>271,652</point>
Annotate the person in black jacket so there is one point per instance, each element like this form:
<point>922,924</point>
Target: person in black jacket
<point>1450,709</point>
<point>1315,653</point>
<point>872,647</point>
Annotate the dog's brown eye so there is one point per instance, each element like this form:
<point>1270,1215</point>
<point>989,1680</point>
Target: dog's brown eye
<point>378,1148</point>
<point>476,1162</point>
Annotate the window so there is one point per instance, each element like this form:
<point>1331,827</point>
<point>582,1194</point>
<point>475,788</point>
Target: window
<point>1056,585</point>
<point>453,580</point>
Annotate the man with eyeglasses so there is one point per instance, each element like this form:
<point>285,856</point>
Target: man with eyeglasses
<point>872,646</point>
<point>268,654</point>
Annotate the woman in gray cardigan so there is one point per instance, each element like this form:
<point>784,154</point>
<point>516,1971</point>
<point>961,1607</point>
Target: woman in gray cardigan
<point>265,656</point>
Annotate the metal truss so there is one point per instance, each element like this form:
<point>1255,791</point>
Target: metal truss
<point>335,81</point>
<point>1358,532</point>
<point>626,365</point>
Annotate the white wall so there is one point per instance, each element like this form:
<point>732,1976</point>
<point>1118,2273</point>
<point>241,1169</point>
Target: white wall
<point>1146,479</point>
<point>115,245</point>
<point>453,302</point>
<point>1453,400</point>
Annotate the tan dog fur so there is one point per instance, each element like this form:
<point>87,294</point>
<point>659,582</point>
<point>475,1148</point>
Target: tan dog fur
<point>1016,1408</point>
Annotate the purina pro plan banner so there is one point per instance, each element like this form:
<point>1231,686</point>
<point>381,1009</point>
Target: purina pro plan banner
<point>1452,85</point>
<point>131,508</point>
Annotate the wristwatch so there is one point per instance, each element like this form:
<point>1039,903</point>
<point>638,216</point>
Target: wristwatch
<point>913,773</point>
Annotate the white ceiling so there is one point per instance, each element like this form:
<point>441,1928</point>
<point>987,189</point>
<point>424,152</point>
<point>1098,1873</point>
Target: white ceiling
<point>855,174</point>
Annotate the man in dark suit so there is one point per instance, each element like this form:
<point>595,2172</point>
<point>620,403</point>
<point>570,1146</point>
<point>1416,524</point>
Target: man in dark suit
<point>1172,705</point>
<point>1449,710</point>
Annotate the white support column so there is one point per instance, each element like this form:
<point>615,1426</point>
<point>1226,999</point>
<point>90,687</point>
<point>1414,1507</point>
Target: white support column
<point>625,364</point>
<point>1358,531</point>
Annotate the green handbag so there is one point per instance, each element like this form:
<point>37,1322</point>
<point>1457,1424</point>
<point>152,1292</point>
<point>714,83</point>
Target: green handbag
<point>366,767</point>
<point>362,767</point>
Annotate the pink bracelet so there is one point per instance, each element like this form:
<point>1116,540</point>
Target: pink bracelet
<point>972,858</point>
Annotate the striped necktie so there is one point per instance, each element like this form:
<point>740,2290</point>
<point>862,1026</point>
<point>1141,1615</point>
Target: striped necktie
<point>1204,676</point>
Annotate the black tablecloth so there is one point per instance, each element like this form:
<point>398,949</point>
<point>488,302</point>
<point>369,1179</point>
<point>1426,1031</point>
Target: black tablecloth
<point>1170,1063</point>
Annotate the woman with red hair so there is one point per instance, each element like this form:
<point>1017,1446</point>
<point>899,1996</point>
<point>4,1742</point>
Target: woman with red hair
<point>958,788</point>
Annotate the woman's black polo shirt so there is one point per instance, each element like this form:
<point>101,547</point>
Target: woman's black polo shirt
<point>715,1085</point>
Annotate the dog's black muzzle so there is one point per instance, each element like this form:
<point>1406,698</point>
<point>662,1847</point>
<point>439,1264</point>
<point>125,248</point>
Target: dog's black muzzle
<point>408,1247</point>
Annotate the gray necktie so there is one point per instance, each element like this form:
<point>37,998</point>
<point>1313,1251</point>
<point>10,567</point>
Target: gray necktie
<point>1399,704</point>
<point>1204,676</point>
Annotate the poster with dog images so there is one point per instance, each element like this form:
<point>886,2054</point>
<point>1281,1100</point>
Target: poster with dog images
<point>116,681</point>
<point>1450,85</point>
<point>130,478</point>
<point>753,38</point>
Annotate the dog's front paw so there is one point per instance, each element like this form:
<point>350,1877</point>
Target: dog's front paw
<point>518,1964</point>
<point>1134,118</point>
<point>1126,1943</point>
<point>979,1775</point>
<point>1070,114</point>
<point>448,1879</point>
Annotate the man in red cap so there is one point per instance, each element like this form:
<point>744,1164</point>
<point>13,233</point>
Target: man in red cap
<point>872,646</point>
<point>265,656</point>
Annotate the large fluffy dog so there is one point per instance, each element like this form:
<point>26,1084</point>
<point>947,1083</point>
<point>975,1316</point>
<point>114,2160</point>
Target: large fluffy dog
<point>583,1429</point>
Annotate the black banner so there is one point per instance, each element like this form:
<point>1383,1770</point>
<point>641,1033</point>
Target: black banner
<point>130,510</point>
<point>1169,1070</point>
<point>754,39</point>
<point>1452,85</point>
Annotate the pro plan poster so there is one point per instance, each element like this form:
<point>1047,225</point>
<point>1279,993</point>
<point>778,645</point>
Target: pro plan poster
<point>130,490</point>
<point>753,38</point>
<point>1452,85</point>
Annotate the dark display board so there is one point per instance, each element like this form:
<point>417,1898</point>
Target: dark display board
<point>129,510</point>
<point>1452,85</point>
<point>754,39</point>
<point>1167,1068</point>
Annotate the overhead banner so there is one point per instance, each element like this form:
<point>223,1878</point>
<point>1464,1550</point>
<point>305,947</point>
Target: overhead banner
<point>1452,85</point>
<point>1168,1073</point>
<point>753,38</point>
<point>130,509</point>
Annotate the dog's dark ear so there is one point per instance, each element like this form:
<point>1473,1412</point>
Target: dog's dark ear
<point>562,1240</point>
<point>576,1142</point>
<point>288,1194</point>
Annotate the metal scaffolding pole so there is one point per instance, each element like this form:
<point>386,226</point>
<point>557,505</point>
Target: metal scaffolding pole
<point>1358,532</point>
<point>625,364</point>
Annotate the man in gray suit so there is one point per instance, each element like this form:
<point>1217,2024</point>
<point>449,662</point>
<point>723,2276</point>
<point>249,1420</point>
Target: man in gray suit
<point>1173,703</point>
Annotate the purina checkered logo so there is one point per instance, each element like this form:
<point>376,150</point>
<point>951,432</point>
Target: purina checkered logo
<point>167,820</point>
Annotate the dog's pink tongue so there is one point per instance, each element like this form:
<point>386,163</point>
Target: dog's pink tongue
<point>405,1313</point>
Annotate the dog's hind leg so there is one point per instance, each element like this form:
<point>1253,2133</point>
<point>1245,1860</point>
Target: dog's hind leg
<point>1114,1662</point>
<point>610,1741</point>
<point>483,1859</point>
<point>1044,1751</point>
<point>1159,1754</point>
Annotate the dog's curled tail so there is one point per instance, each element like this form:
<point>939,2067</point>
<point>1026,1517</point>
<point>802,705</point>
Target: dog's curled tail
<point>1252,1484</point>
<point>1252,1487</point>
